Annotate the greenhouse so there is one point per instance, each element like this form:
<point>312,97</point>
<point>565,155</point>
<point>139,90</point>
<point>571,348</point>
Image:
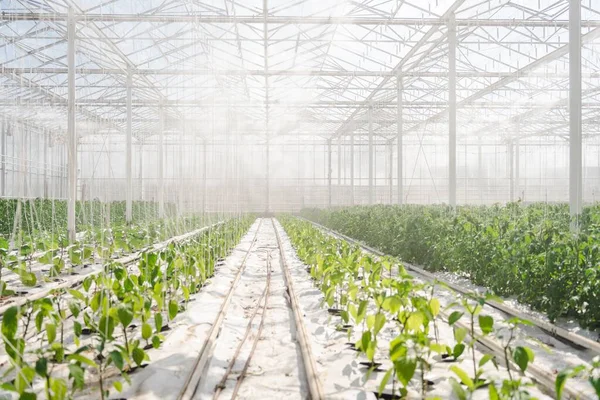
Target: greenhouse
<point>257,199</point>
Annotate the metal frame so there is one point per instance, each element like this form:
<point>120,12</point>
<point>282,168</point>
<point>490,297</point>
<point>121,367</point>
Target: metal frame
<point>390,71</point>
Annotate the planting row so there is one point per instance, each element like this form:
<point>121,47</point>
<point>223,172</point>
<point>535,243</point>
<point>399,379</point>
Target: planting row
<point>30,215</point>
<point>58,346</point>
<point>29,260</point>
<point>528,252</point>
<point>400,325</point>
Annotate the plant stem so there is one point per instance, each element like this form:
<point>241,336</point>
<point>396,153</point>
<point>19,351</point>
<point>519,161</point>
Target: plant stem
<point>126,341</point>
<point>506,360</point>
<point>473,344</point>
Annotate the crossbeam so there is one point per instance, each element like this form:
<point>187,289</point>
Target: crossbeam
<point>293,20</point>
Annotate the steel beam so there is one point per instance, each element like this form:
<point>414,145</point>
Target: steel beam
<point>399,134</point>
<point>511,171</point>
<point>371,157</point>
<point>290,20</point>
<point>452,112</point>
<point>71,129</point>
<point>141,170</point>
<point>329,171</point>
<point>264,19</point>
<point>3,132</point>
<point>161,166</point>
<point>204,186</point>
<point>391,171</point>
<point>575,145</point>
<point>45,176</point>
<point>339,162</point>
<point>128,158</point>
<point>274,72</point>
<point>480,169</point>
<point>352,169</point>
<point>517,168</point>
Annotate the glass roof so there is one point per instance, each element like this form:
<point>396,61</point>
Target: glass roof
<point>298,69</point>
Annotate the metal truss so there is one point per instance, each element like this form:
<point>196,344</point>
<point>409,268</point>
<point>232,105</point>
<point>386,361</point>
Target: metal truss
<point>484,71</point>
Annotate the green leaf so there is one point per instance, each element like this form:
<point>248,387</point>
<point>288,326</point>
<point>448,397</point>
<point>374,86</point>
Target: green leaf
<point>51,332</point>
<point>24,378</point>
<point>559,384</point>
<point>458,350</point>
<point>138,356</point>
<point>463,376</point>
<point>173,309</point>
<point>595,382</point>
<point>434,306</point>
<point>10,322</point>
<point>415,321</point>
<point>77,294</point>
<point>493,392</point>
<point>59,388</point>
<point>77,329</point>
<point>117,359</point>
<point>485,359</point>
<point>365,340</point>
<point>521,357</point>
<point>486,323</point>
<point>81,359</point>
<point>455,316</point>
<point>155,341</point>
<point>106,327</point>
<point>460,334</point>
<point>118,386</point>
<point>28,278</point>
<point>437,348</point>
<point>125,314</point>
<point>146,331</point>
<point>41,367</point>
<point>379,323</point>
<point>362,310</point>
<point>74,308</point>
<point>385,380</point>
<point>405,369</point>
<point>28,396</point>
<point>158,322</point>
<point>77,374</point>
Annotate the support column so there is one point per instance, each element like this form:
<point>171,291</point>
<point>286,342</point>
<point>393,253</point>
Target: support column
<point>193,191</point>
<point>128,158</point>
<point>575,144</point>
<point>391,170</point>
<point>371,177</point>
<point>339,162</point>
<point>268,177</point>
<point>399,150</point>
<point>352,168</point>
<point>480,170</point>
<point>161,167</point>
<point>71,133</point>
<point>204,176</point>
<point>511,171</point>
<point>517,169</point>
<point>329,169</point>
<point>3,132</point>
<point>452,111</point>
<point>45,183</point>
<point>141,170</point>
<point>181,180</point>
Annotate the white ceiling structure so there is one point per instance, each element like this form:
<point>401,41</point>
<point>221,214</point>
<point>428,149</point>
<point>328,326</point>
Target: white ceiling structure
<point>289,68</point>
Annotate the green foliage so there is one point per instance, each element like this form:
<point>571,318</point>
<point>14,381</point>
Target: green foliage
<point>514,250</point>
<point>115,307</point>
<point>51,215</point>
<point>370,298</point>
